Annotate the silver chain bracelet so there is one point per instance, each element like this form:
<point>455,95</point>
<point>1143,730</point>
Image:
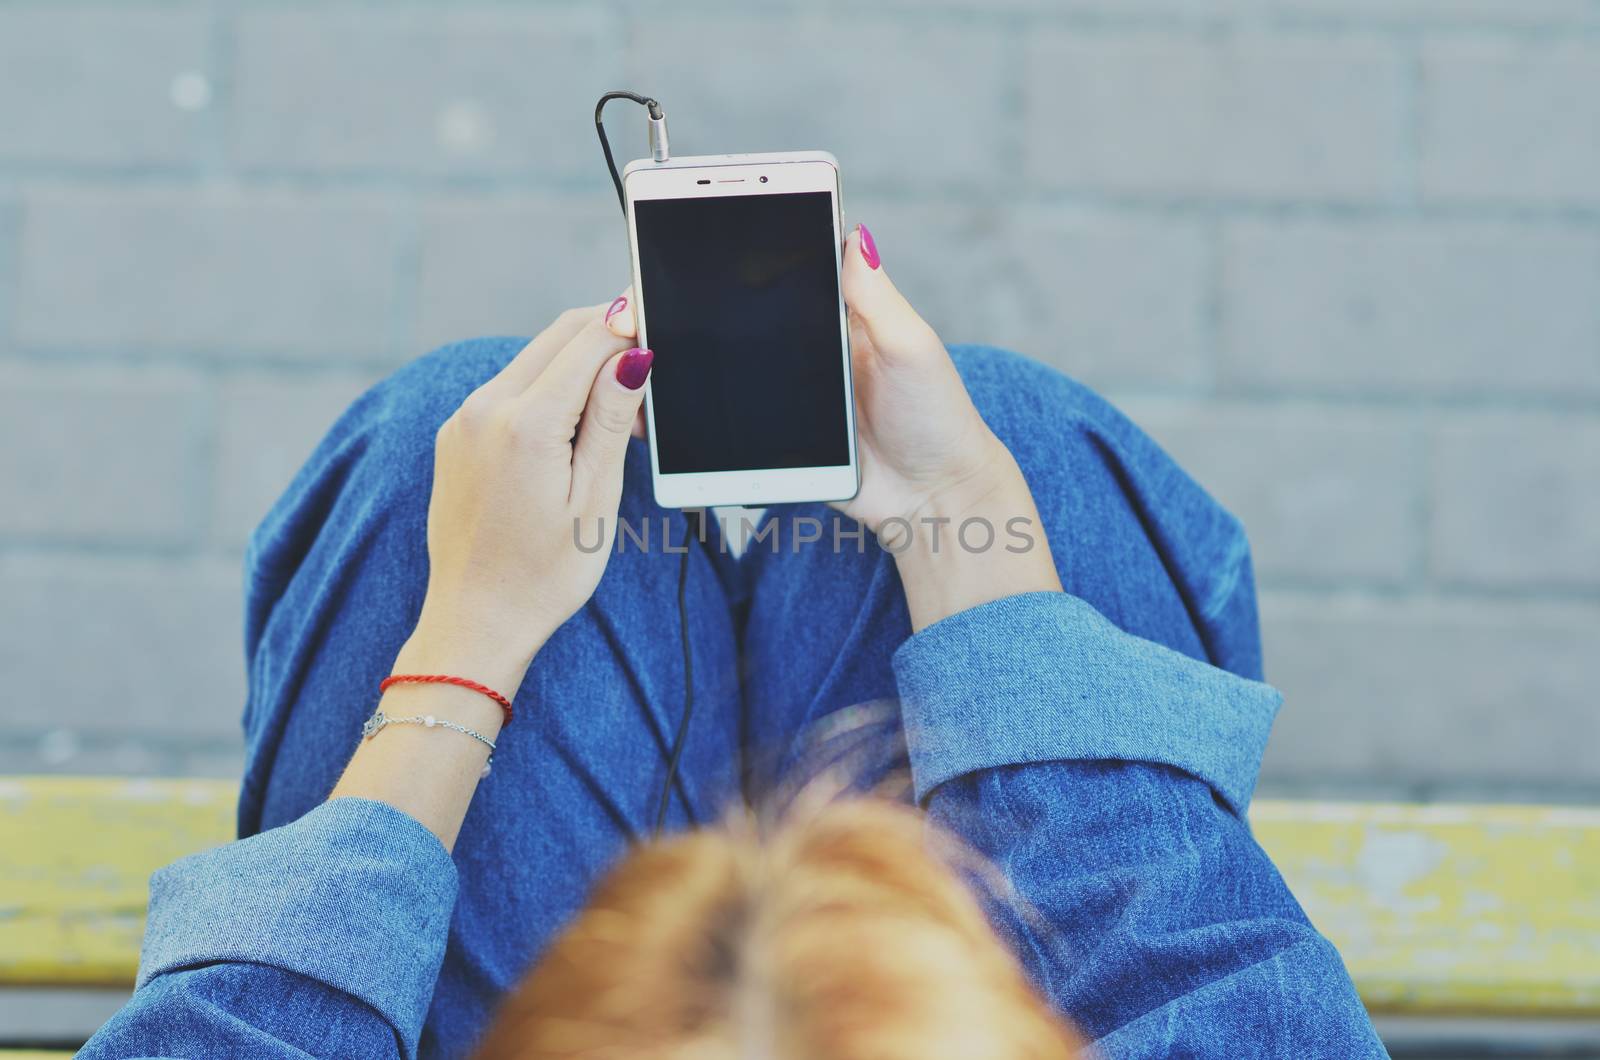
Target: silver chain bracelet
<point>379,719</point>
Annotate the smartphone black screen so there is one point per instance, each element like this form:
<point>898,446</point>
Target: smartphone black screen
<point>742,310</point>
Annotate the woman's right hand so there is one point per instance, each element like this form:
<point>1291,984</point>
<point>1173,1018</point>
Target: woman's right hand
<point>531,460</point>
<point>928,461</point>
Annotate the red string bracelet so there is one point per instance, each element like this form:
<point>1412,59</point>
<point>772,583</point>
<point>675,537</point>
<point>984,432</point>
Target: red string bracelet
<point>446,679</point>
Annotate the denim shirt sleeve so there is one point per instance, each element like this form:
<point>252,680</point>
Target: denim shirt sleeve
<point>1044,676</point>
<point>329,929</point>
<point>1108,777</point>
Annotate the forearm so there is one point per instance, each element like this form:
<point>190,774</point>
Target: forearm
<point>1149,915</point>
<point>977,541</point>
<point>1111,776</point>
<point>431,773</point>
<point>207,1011</point>
<point>323,935</point>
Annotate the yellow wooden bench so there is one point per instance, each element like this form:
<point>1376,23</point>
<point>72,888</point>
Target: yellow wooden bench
<point>1438,909</point>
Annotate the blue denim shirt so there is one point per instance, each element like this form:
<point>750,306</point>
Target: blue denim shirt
<point>1107,776</point>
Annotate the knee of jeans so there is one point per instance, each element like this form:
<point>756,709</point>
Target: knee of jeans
<point>1067,438</point>
<point>430,388</point>
<point>1029,404</point>
<point>396,421</point>
<point>382,445</point>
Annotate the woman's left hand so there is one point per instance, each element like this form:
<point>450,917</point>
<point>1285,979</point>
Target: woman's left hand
<point>532,459</point>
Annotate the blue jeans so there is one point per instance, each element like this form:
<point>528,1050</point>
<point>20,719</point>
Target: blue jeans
<point>781,641</point>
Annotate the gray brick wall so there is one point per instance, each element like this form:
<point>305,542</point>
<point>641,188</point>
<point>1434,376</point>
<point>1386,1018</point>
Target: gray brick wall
<point>1412,308</point>
<point>1341,256</point>
<point>224,272</point>
<point>1256,115</point>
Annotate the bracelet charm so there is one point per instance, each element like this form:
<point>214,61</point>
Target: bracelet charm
<point>379,719</point>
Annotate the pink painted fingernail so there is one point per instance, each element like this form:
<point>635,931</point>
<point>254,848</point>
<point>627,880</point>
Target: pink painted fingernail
<point>634,367</point>
<point>616,307</point>
<point>869,249</point>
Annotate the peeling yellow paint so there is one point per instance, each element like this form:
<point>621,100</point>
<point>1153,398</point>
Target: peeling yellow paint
<point>75,861</point>
<point>1436,909</point>
<point>1450,908</point>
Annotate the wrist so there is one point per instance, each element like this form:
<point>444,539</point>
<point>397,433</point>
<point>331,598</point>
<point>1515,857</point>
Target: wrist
<point>470,644</point>
<point>975,541</point>
<point>989,482</point>
<point>988,487</point>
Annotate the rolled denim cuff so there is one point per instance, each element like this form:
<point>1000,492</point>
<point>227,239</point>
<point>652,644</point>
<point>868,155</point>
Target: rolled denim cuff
<point>355,895</point>
<point>1045,677</point>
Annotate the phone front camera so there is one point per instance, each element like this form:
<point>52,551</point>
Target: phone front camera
<point>763,180</point>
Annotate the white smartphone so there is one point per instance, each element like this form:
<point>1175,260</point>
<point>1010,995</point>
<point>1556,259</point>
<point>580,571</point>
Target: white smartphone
<point>736,285</point>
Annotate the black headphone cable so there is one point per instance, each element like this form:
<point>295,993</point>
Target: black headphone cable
<point>694,518</point>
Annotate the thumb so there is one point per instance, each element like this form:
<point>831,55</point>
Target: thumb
<point>623,320</point>
<point>876,304</point>
<point>620,316</point>
<point>605,427</point>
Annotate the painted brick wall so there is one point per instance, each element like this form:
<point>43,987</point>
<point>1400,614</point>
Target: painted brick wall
<point>1341,256</point>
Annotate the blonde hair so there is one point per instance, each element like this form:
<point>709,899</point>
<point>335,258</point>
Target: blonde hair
<point>838,936</point>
